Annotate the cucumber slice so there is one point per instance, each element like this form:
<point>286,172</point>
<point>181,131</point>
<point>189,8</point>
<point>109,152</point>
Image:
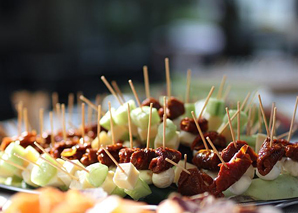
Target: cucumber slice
<point>119,132</point>
<point>140,117</point>
<point>7,170</point>
<point>173,143</point>
<point>188,108</point>
<point>250,139</point>
<point>97,174</point>
<point>121,117</point>
<point>243,119</point>
<point>215,107</point>
<point>31,154</point>
<point>14,181</point>
<point>118,191</point>
<point>170,130</point>
<point>140,190</point>
<point>26,175</point>
<point>105,120</point>
<point>42,174</point>
<point>285,186</point>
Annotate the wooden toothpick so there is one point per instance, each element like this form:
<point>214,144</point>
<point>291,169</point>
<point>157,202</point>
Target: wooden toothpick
<point>135,94</point>
<point>13,164</point>
<point>271,115</point>
<point>25,159</point>
<point>113,159</point>
<point>87,101</point>
<point>217,153</point>
<point>200,131</point>
<point>167,67</point>
<point>75,164</point>
<point>149,126</point>
<point>227,91</point>
<point>146,81</point>
<point>83,123</point>
<point>264,116</point>
<point>287,133</point>
<point>231,127</point>
<point>63,122</point>
<point>98,124</point>
<point>25,112</point>
<point>111,123</point>
<point>185,161</point>
<point>222,84</point>
<point>20,115</point>
<point>118,91</point>
<point>206,101</point>
<point>41,124</point>
<point>55,100</point>
<point>111,89</point>
<point>164,123</point>
<point>70,106</point>
<point>249,122</point>
<point>177,165</point>
<point>188,79</point>
<point>238,121</point>
<point>245,101</point>
<point>129,126</point>
<point>273,127</point>
<point>293,119</point>
<point>52,128</point>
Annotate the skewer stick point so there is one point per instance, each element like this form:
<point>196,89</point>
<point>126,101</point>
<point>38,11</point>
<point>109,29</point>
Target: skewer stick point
<point>20,115</point>
<point>70,106</point>
<point>135,93</point>
<point>52,128</point>
<point>83,122</point>
<point>231,127</point>
<point>146,80</point>
<point>111,123</point>
<point>149,126</point>
<point>167,67</point>
<point>25,112</point>
<point>111,89</point>
<point>273,127</point>
<point>175,164</point>
<point>185,161</point>
<point>164,123</point>
<point>63,122</point>
<point>118,91</point>
<point>41,124</point>
<point>293,119</point>
<point>206,101</point>
<point>88,102</point>
<point>264,116</point>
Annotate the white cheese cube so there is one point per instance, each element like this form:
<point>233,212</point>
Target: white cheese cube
<point>128,179</point>
<point>108,185</point>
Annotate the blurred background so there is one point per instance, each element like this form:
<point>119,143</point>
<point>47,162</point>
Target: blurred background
<point>65,46</point>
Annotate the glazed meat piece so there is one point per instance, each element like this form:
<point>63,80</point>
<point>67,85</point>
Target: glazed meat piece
<point>155,103</point>
<point>206,159</point>
<point>237,166</point>
<point>60,146</point>
<point>159,163</point>
<point>188,125</point>
<point>268,156</point>
<point>174,109</point>
<point>125,154</point>
<point>114,150</point>
<point>228,153</point>
<point>89,157</point>
<point>196,182</point>
<point>76,152</point>
<point>141,159</point>
<point>219,141</point>
<point>292,151</point>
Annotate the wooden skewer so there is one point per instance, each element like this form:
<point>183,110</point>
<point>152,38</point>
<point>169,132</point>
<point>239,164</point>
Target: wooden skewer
<point>13,164</point>
<point>25,112</point>
<point>79,102</point>
<point>167,67</point>
<point>25,159</point>
<point>206,101</point>
<point>98,125</point>
<point>111,124</point>
<point>264,116</point>
<point>41,124</point>
<point>177,165</point>
<point>293,119</point>
<point>146,80</point>
<point>63,122</point>
<point>89,118</point>
<point>200,131</point>
<point>87,101</point>
<point>129,126</point>
<point>97,99</point>
<point>185,161</point>
<point>118,91</point>
<point>215,150</point>
<point>231,127</point>
<point>273,127</point>
<point>75,164</point>
<point>245,101</point>
<point>149,126</point>
<point>45,152</point>
<point>52,129</point>
<point>222,84</point>
<point>135,93</point>
<point>113,159</point>
<point>83,123</point>
<point>70,106</point>
<point>20,113</point>
<point>271,114</point>
<point>253,115</point>
<point>188,78</point>
<point>111,89</point>
<point>55,100</point>
<point>260,119</point>
<point>287,133</point>
<point>164,123</point>
<point>227,91</point>
<point>227,124</point>
<point>58,113</point>
<point>59,168</point>
<point>238,120</point>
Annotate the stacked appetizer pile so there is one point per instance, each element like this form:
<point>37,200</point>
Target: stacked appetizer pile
<point>192,147</point>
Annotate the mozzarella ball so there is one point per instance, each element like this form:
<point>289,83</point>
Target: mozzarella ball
<point>273,174</point>
<point>241,185</point>
<point>163,179</point>
<point>291,167</point>
<point>250,172</point>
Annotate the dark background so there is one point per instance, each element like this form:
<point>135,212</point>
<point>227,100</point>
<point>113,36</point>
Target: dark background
<point>65,45</point>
